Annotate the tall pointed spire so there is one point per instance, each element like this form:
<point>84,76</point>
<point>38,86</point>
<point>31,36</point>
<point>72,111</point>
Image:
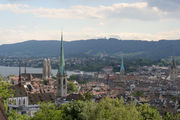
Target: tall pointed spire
<point>122,65</point>
<point>173,62</point>
<point>61,75</point>
<point>25,76</point>
<point>25,69</point>
<point>61,61</point>
<point>19,81</point>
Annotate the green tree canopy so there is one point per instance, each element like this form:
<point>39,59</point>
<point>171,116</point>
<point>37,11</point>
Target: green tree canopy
<point>71,87</point>
<point>48,111</point>
<point>73,77</point>
<point>79,110</point>
<point>5,91</point>
<point>149,113</point>
<point>13,115</point>
<point>115,109</point>
<point>108,109</point>
<point>137,93</point>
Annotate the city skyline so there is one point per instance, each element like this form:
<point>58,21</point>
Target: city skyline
<point>86,19</point>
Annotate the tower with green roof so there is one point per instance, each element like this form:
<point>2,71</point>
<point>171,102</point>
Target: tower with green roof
<point>122,69</point>
<point>61,75</point>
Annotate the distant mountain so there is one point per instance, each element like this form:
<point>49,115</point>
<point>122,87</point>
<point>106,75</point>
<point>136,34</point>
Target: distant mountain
<point>110,47</point>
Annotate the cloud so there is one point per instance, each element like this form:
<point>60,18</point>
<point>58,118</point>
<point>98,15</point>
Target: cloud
<point>13,7</point>
<point>14,35</point>
<point>170,8</point>
<point>148,10</point>
<point>165,5</point>
<point>140,11</point>
<point>169,35</point>
<point>19,35</point>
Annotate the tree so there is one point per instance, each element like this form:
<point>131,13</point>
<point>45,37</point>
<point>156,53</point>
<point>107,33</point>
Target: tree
<point>168,116</point>
<point>79,110</point>
<point>137,93</point>
<point>5,91</point>
<point>106,109</point>
<point>73,110</point>
<point>86,96</point>
<point>177,116</point>
<point>71,87</point>
<point>115,109</point>
<point>149,113</point>
<point>73,77</point>
<point>48,111</point>
<point>13,115</point>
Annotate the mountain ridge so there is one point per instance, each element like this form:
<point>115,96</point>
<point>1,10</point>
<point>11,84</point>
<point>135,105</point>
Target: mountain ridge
<point>93,47</point>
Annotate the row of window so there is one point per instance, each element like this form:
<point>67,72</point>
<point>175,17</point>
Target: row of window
<point>17,101</point>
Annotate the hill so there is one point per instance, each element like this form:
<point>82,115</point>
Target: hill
<point>110,47</point>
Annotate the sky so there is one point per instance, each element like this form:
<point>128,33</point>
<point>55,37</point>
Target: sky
<point>23,20</point>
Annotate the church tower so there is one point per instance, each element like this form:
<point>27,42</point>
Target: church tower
<point>20,80</point>
<point>173,70</point>
<point>45,69</point>
<point>61,75</point>
<point>122,69</point>
<point>49,68</point>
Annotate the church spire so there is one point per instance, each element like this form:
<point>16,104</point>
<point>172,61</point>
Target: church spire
<point>173,62</point>
<point>19,81</point>
<point>25,69</point>
<point>61,75</point>
<point>61,69</point>
<point>122,65</point>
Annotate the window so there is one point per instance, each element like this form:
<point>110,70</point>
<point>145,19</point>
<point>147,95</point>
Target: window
<point>64,81</point>
<point>19,101</point>
<point>10,101</point>
<point>24,101</point>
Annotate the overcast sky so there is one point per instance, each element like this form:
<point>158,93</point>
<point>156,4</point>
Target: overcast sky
<point>23,20</point>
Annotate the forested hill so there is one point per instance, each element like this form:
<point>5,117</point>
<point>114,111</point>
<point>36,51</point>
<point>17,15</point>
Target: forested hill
<point>112,47</point>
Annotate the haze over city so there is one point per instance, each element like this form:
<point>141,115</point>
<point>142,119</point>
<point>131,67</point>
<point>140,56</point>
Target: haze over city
<point>23,20</point>
<point>90,60</point>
